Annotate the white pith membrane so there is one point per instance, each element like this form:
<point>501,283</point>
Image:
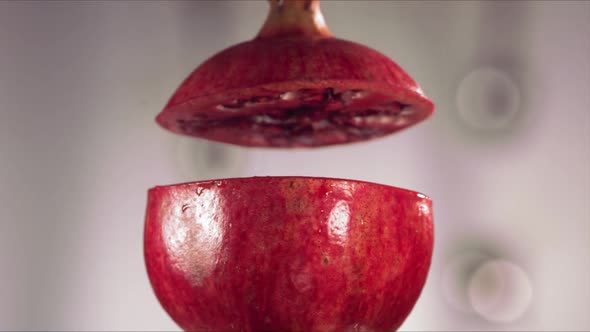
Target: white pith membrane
<point>306,117</point>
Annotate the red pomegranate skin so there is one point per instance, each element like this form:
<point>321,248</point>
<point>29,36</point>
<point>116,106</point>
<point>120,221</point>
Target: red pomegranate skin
<point>222,98</point>
<point>287,253</point>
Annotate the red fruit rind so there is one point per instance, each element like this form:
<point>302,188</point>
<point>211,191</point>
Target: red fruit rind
<point>287,253</point>
<point>295,86</point>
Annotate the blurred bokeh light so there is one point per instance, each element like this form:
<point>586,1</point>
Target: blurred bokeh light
<point>487,99</point>
<point>500,291</point>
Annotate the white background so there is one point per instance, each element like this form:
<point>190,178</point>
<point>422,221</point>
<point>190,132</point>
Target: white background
<point>81,83</point>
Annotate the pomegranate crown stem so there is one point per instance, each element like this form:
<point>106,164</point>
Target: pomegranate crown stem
<point>288,18</point>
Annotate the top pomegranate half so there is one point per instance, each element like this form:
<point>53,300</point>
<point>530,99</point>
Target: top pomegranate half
<point>295,85</point>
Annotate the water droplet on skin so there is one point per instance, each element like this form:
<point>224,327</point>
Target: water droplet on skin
<point>219,183</point>
<point>359,328</point>
<point>185,207</point>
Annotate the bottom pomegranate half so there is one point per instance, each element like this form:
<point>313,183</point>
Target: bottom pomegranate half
<point>287,253</point>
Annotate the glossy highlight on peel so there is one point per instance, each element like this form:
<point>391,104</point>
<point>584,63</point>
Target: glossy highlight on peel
<point>287,253</point>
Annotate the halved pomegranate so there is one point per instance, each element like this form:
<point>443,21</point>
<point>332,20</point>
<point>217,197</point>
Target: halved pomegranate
<point>295,85</point>
<point>287,253</point>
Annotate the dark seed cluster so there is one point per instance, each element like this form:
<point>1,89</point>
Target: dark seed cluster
<point>305,117</point>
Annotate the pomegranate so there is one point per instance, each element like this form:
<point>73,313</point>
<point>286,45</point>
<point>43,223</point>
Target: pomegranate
<point>295,85</point>
<point>287,253</point>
